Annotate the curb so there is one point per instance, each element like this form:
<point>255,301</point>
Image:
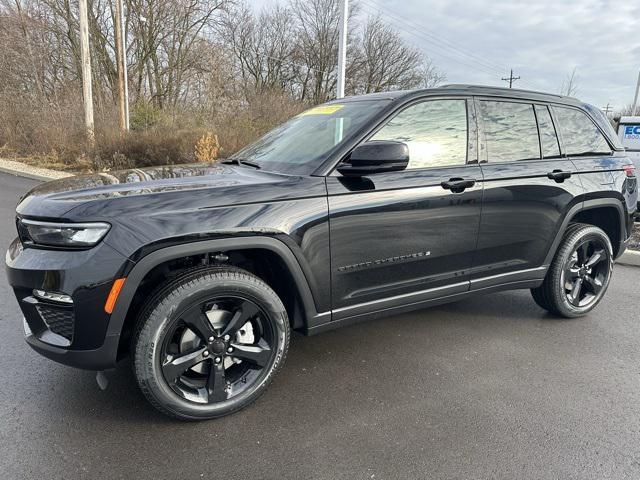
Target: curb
<point>32,176</point>
<point>19,169</point>
<point>630,258</point>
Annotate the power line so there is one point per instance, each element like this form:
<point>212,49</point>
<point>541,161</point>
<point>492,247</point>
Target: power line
<point>409,29</point>
<point>440,40</point>
<point>417,30</point>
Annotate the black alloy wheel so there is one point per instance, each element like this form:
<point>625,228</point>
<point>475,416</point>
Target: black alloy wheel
<point>579,274</point>
<point>217,349</point>
<point>586,272</point>
<point>209,342</point>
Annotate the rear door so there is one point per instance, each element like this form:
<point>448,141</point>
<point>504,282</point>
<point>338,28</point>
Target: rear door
<point>586,146</point>
<point>528,189</point>
<point>401,237</point>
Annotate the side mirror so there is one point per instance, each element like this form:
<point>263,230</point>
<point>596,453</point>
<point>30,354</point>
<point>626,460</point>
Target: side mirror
<point>376,156</point>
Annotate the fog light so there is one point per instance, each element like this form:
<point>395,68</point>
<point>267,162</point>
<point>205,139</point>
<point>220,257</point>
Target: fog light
<point>54,297</point>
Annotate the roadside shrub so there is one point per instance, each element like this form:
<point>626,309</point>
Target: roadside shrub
<point>144,116</point>
<point>207,148</point>
<point>52,135</point>
<point>164,146</point>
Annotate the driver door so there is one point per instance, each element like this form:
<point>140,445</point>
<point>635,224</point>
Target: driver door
<point>401,237</point>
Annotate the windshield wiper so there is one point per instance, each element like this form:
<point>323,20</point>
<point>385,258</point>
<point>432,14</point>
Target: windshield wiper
<point>237,161</point>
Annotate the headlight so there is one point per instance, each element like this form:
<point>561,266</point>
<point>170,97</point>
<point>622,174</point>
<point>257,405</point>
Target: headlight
<point>69,235</point>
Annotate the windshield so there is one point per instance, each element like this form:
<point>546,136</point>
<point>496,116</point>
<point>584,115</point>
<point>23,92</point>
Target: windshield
<point>301,144</point>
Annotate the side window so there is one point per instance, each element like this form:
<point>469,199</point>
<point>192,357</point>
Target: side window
<point>548,136</point>
<point>580,136</point>
<point>435,132</point>
<point>510,131</point>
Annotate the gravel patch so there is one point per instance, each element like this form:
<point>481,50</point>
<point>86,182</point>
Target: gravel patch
<point>24,170</point>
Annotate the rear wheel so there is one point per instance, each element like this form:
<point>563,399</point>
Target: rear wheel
<point>209,343</point>
<point>580,273</point>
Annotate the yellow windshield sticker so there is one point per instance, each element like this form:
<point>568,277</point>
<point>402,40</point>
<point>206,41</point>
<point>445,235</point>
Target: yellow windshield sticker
<point>322,110</point>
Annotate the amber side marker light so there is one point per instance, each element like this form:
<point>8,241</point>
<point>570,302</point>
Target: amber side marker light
<point>113,295</point>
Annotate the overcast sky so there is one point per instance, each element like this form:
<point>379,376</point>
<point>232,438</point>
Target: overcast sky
<point>542,40</point>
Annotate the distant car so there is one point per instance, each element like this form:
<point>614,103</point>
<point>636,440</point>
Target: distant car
<point>352,210</point>
<point>629,134</point>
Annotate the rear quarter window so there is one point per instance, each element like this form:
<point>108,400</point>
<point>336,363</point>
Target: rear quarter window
<point>579,134</point>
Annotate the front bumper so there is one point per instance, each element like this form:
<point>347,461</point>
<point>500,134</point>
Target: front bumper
<point>73,333</point>
<point>100,358</point>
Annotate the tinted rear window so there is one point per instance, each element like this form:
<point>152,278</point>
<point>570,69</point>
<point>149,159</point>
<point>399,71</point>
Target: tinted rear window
<point>579,133</point>
<point>510,131</point>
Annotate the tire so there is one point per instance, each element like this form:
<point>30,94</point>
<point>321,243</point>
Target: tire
<point>579,274</point>
<point>226,326</point>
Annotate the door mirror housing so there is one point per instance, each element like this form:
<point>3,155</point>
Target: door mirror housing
<point>376,156</point>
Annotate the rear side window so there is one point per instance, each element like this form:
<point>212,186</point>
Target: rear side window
<point>548,137</point>
<point>580,136</point>
<point>510,131</point>
<point>435,132</point>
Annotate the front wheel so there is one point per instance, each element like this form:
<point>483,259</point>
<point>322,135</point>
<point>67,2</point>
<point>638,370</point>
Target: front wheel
<point>209,343</point>
<point>579,275</point>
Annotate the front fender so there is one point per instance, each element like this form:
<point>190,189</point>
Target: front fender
<point>148,262</point>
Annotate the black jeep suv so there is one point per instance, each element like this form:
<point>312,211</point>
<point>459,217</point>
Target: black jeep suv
<point>358,208</point>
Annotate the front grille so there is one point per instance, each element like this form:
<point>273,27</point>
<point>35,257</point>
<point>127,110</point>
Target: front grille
<point>59,320</point>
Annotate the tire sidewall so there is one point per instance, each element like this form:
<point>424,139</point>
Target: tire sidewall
<point>589,233</point>
<point>161,318</point>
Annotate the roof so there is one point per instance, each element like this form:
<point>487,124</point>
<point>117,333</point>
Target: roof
<point>462,89</point>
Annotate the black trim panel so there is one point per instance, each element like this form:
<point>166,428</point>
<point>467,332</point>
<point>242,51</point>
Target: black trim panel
<point>587,205</point>
<point>418,305</point>
<point>139,271</point>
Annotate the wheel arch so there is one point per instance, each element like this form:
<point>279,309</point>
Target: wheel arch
<point>600,212</point>
<point>122,313</point>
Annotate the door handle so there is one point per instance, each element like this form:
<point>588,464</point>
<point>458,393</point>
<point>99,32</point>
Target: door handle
<point>458,185</point>
<point>558,175</point>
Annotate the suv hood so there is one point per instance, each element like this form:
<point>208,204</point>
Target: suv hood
<point>107,194</point>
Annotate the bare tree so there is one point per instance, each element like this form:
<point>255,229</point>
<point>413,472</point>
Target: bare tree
<point>317,47</point>
<point>167,35</point>
<point>193,64</point>
<point>432,76</point>
<point>385,61</point>
<point>262,45</point>
<point>570,84</point>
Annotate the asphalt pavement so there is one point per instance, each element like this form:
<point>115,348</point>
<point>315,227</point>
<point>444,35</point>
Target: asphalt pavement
<point>490,387</point>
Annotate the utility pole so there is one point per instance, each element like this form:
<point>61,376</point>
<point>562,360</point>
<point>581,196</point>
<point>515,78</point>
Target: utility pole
<point>342,46</point>
<point>121,61</point>
<point>510,79</point>
<point>607,109</point>
<point>85,60</point>
<point>635,98</point>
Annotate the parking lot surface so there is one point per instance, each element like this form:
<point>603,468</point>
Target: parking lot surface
<point>490,387</point>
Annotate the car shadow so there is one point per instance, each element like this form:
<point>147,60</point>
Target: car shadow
<point>365,350</point>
